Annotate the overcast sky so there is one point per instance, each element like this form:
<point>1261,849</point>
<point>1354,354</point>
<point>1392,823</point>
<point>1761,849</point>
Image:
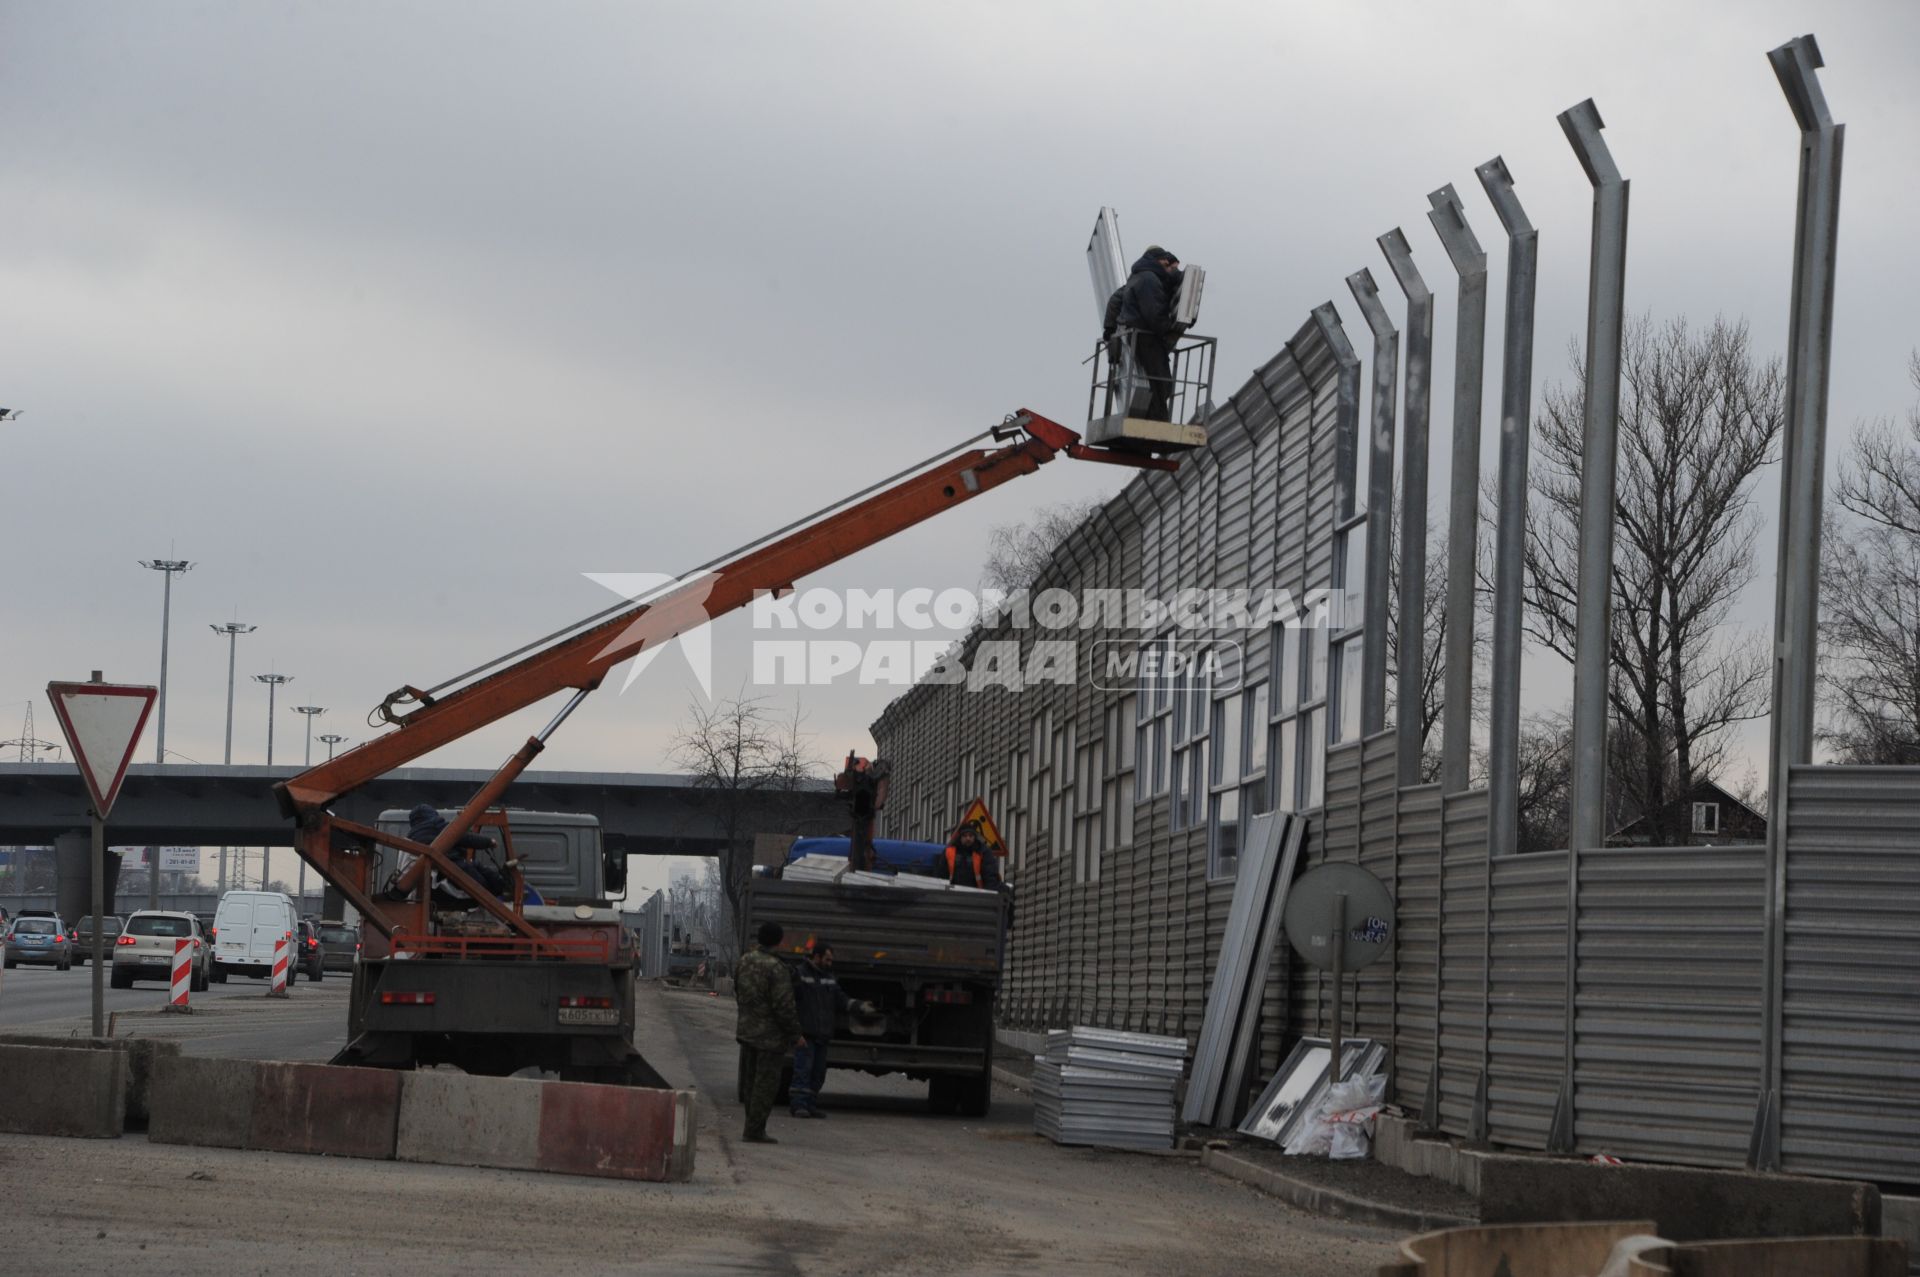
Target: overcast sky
<point>398,318</point>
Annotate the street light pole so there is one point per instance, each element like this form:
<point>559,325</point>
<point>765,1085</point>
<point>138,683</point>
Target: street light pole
<point>169,567</point>
<point>330,739</point>
<point>273,682</point>
<point>233,630</point>
<point>312,712</point>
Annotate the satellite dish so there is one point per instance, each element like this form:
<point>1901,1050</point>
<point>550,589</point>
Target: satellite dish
<point>1369,915</point>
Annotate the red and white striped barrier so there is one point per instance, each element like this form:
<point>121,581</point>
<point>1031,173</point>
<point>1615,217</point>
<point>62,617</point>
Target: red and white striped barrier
<point>182,976</point>
<point>278,988</point>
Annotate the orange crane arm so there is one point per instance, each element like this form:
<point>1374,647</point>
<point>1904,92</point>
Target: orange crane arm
<point>581,660</point>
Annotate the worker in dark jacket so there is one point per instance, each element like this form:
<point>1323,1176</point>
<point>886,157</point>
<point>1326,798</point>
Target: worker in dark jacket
<point>424,824</point>
<point>969,863</point>
<point>821,1001</point>
<point>768,1027</point>
<point>1146,312</point>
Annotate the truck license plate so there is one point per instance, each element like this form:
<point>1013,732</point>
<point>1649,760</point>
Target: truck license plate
<point>589,1015</point>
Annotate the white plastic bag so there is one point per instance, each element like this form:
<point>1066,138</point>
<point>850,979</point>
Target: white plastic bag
<point>1350,1109</point>
<point>1350,1140</point>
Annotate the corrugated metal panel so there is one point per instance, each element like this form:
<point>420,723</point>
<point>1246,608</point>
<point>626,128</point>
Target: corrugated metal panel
<point>1668,1001</point>
<point>1463,940</point>
<point>1527,1010</point>
<point>1416,954</point>
<point>1341,811</point>
<point>1850,1084</point>
<point>1379,804</point>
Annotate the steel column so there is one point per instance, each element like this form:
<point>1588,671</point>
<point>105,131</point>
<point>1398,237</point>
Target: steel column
<point>1510,530</point>
<point>1386,372</point>
<point>1803,471</point>
<point>1410,699</point>
<point>1346,392</point>
<point>1599,458</point>
<point>1463,483</point>
<point>1606,290</point>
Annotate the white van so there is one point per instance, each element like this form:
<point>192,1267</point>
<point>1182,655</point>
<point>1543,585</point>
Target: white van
<point>245,929</point>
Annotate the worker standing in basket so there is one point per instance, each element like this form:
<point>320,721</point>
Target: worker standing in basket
<point>768,1027</point>
<point>1147,314</point>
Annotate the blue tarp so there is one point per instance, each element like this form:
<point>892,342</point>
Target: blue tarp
<point>888,853</point>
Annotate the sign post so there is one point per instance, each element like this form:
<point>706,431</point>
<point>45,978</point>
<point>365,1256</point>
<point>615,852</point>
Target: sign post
<point>102,723</point>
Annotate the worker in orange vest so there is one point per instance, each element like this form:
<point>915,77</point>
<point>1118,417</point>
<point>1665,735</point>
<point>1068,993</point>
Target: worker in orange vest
<point>969,863</point>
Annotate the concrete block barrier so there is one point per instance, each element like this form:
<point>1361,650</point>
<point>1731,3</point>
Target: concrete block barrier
<point>457,1120</point>
<point>323,1108</point>
<point>624,1132</point>
<point>1686,1203</point>
<point>55,1091</point>
<point>208,1103</point>
<point>571,1128</point>
<point>141,1053</point>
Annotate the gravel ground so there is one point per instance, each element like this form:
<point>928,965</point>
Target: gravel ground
<point>880,1188</point>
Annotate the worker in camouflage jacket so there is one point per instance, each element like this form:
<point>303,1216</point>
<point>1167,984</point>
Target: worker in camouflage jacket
<point>768,1027</point>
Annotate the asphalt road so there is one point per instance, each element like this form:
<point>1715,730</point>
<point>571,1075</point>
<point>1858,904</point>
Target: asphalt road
<point>231,1019</point>
<point>879,1188</point>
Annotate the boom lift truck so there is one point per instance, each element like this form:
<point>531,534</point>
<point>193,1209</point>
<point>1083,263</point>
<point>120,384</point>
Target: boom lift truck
<point>551,984</point>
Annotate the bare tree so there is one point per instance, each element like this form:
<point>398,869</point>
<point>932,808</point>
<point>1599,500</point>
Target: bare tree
<point>1870,598</point>
<point>1018,552</point>
<point>1699,417</point>
<point>748,769</point>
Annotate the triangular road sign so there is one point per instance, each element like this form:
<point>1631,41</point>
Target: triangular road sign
<point>102,722</point>
<point>976,814</point>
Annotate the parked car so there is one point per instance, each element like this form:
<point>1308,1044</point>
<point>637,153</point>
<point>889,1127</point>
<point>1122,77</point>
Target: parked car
<point>339,945</point>
<point>111,927</point>
<point>309,960</point>
<point>40,938</point>
<point>145,949</point>
<point>246,928</point>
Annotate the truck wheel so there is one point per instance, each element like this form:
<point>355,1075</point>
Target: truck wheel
<point>122,979</point>
<point>219,975</point>
<point>975,1095</point>
<point>943,1097</point>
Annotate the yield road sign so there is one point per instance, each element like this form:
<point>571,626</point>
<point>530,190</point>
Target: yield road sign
<point>102,723</point>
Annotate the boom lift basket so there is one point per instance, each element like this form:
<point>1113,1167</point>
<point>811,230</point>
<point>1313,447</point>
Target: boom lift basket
<point>1117,402</point>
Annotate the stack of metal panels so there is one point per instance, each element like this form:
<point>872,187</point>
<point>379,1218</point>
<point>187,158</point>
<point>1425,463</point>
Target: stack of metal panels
<point>815,868</point>
<point>1107,1088</point>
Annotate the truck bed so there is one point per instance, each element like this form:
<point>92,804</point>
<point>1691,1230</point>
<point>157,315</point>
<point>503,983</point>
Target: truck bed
<point>887,930</point>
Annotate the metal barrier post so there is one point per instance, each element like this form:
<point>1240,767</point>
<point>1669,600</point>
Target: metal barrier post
<point>1599,458</point>
<point>1796,596</point>
<point>1510,534</point>
<point>1418,406</point>
<point>1386,371</point>
<point>1463,487</point>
